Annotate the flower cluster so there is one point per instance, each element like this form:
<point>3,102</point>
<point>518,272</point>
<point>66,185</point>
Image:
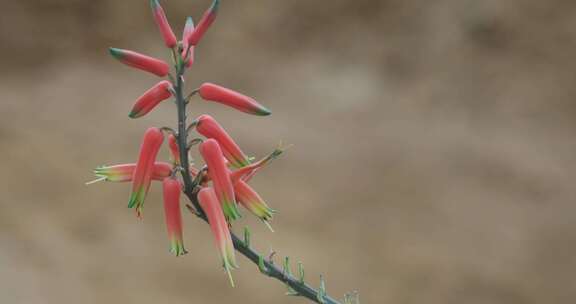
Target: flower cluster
<point>221,185</point>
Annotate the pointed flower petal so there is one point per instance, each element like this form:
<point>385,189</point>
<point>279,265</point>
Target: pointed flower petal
<point>163,25</point>
<point>142,175</point>
<point>207,126</point>
<point>207,20</point>
<point>151,98</point>
<point>252,201</point>
<point>171,188</point>
<point>140,61</point>
<point>213,92</point>
<point>220,177</point>
<point>187,49</point>
<point>209,203</point>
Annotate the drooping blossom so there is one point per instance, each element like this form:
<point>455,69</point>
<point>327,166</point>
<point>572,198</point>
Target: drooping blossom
<point>171,190</point>
<point>209,203</point>
<point>142,175</point>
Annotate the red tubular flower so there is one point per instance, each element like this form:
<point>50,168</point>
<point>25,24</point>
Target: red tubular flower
<point>174,150</point>
<point>187,49</point>
<point>163,25</point>
<point>220,177</point>
<point>140,61</point>
<point>172,189</point>
<point>151,98</point>
<point>209,203</point>
<point>153,139</point>
<point>213,92</point>
<point>250,199</point>
<point>125,172</point>
<point>207,19</point>
<point>207,126</point>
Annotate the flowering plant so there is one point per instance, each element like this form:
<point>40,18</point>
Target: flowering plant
<point>215,190</point>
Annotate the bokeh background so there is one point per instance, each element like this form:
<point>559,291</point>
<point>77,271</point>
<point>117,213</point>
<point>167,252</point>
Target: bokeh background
<point>433,161</point>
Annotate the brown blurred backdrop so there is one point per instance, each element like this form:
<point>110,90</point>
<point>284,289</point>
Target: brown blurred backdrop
<point>434,154</point>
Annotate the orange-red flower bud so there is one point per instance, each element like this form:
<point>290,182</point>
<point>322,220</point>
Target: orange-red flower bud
<point>163,25</point>
<point>140,61</point>
<point>213,92</point>
<point>207,19</point>
<point>151,98</point>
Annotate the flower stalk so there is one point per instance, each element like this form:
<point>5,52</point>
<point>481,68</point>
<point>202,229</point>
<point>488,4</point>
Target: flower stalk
<point>206,201</point>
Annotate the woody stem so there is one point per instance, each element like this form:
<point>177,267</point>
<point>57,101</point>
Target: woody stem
<point>271,270</point>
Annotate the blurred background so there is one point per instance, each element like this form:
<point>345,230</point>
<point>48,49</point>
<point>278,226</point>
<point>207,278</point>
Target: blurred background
<point>433,161</point>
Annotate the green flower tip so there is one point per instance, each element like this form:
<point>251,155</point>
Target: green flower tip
<point>189,21</point>
<point>154,3</point>
<point>215,5</point>
<point>178,249</point>
<point>133,114</point>
<point>263,111</point>
<point>116,53</point>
